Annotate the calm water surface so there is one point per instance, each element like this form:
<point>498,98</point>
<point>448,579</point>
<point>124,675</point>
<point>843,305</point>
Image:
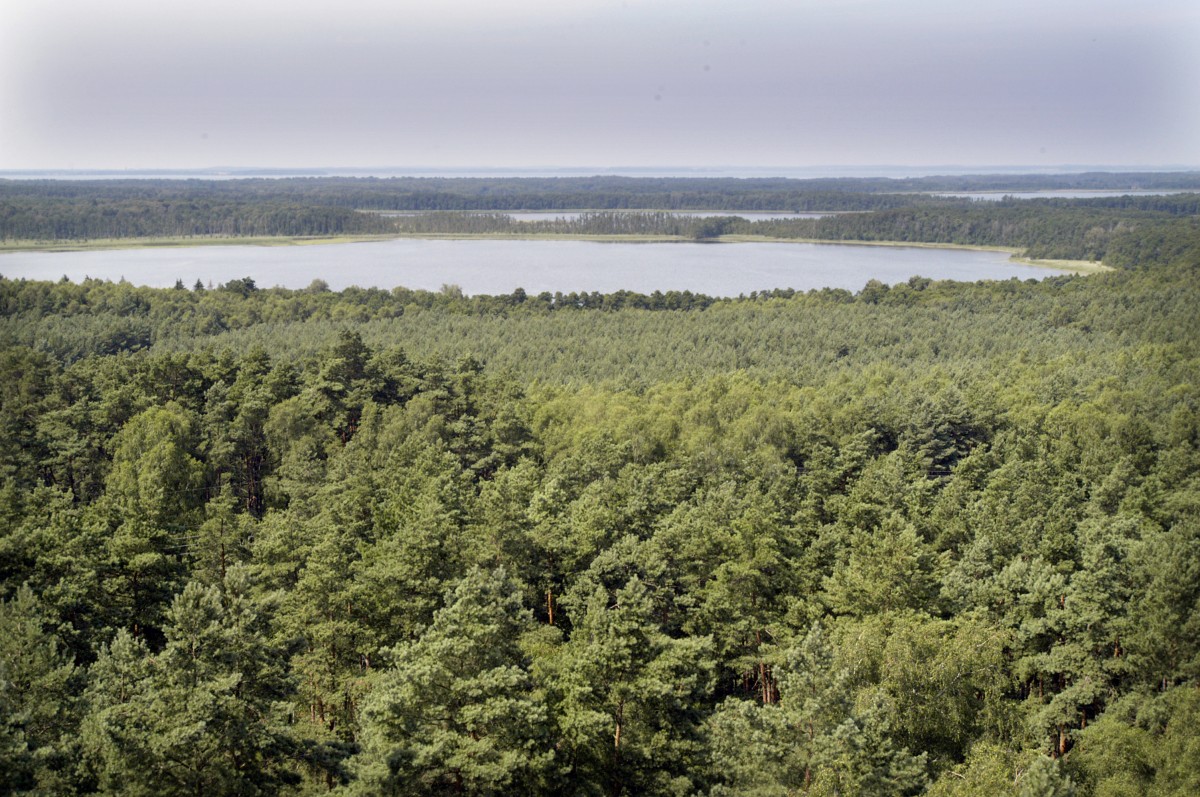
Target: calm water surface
<point>495,267</point>
<point>748,215</point>
<point>572,215</point>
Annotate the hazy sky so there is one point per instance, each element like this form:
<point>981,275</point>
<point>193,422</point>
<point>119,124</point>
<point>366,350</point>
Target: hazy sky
<point>157,84</point>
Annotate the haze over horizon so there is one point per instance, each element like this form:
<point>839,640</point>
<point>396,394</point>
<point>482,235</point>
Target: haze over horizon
<point>531,85</point>
<point>866,171</point>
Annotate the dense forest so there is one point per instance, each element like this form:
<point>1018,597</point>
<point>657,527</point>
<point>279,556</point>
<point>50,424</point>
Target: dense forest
<point>499,193</point>
<point>929,538</point>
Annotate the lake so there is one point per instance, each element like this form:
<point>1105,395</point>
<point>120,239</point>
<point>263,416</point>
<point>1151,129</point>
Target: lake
<point>572,215</point>
<point>748,215</point>
<point>500,266</point>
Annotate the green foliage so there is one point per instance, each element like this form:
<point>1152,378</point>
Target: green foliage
<point>628,694</point>
<point>151,494</point>
<point>1145,744</point>
<point>1044,778</point>
<point>989,768</point>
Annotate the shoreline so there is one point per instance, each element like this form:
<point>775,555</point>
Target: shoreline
<point>1073,266</point>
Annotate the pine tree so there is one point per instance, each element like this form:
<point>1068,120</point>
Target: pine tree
<point>814,740</point>
<point>151,495</point>
<point>1044,778</point>
<point>455,713</point>
<point>38,704</point>
<point>888,569</point>
<point>629,695</point>
<point>203,716</point>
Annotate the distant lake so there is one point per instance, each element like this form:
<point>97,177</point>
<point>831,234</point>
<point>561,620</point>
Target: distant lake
<point>572,215</point>
<point>500,266</point>
<point>748,215</point>
<point>1059,194</point>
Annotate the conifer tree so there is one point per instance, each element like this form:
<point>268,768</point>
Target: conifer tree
<point>455,712</point>
<point>814,740</point>
<point>38,701</point>
<point>201,717</point>
<point>629,694</point>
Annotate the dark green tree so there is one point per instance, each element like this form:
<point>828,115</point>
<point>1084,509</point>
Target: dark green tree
<point>457,712</point>
<point>205,716</point>
<point>628,695</point>
<point>38,702</point>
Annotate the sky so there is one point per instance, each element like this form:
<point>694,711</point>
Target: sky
<point>147,84</point>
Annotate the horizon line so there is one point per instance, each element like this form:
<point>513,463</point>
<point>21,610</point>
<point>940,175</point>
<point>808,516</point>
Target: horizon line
<point>827,170</point>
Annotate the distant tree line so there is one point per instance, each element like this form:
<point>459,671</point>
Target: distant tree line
<point>1066,229</point>
<point>53,199</point>
<point>58,218</point>
<point>664,193</point>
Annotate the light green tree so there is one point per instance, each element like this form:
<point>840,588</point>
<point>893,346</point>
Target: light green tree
<point>151,500</point>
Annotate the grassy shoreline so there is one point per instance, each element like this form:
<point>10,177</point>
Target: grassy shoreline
<point>1073,266</point>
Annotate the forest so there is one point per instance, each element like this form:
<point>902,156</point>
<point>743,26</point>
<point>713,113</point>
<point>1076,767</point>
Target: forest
<point>928,538</point>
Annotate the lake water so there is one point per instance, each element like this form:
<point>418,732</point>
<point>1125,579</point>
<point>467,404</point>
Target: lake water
<point>572,215</point>
<point>499,266</point>
<point>748,215</point>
